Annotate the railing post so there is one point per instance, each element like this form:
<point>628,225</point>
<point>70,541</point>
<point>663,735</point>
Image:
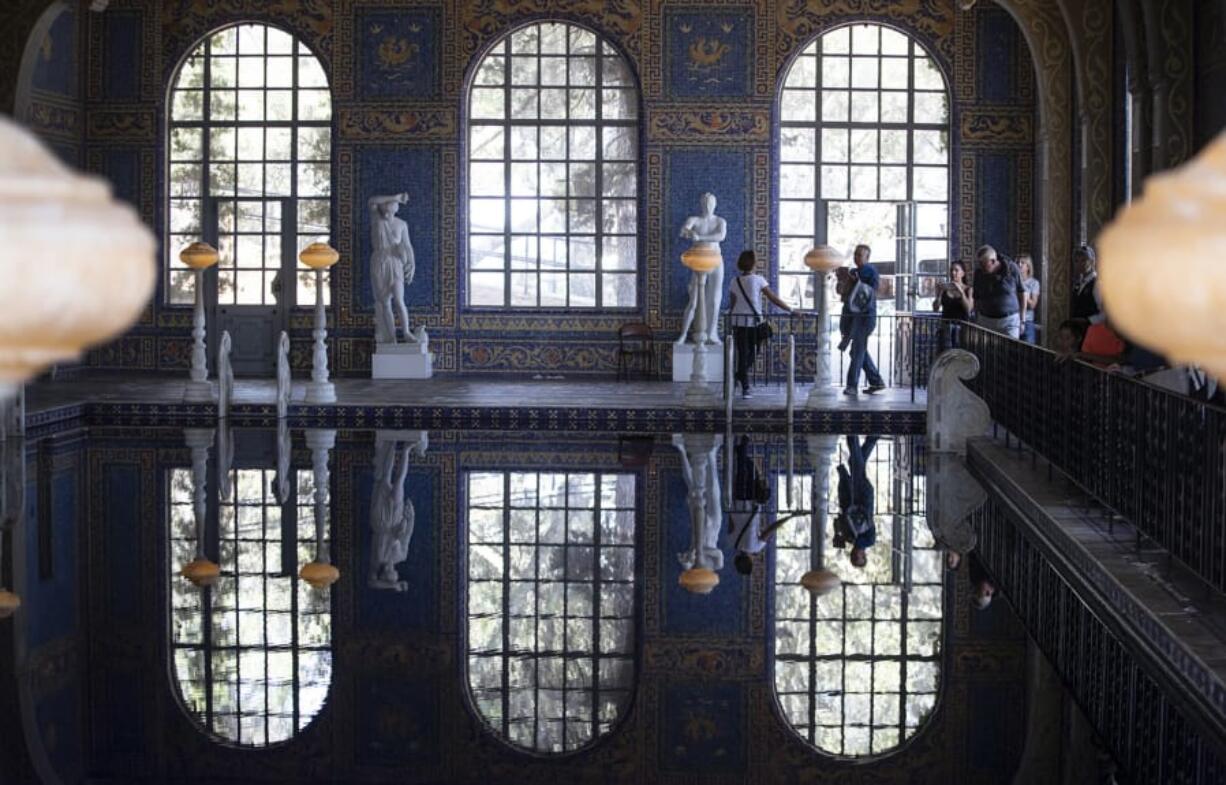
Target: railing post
<point>791,391</point>
<point>729,386</point>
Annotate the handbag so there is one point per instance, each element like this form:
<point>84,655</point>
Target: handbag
<point>860,298</point>
<point>762,330</point>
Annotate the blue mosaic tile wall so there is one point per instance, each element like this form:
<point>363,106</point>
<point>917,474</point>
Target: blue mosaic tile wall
<point>708,72</point>
<point>52,105</point>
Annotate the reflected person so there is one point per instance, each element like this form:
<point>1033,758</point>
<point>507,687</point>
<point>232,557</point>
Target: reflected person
<point>854,523</point>
<point>983,588</point>
<point>392,516</point>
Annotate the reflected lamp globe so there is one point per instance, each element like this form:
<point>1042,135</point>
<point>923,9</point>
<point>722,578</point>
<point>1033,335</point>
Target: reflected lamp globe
<point>201,572</point>
<point>320,575</point>
<point>820,582</point>
<point>1176,221</point>
<point>698,580</point>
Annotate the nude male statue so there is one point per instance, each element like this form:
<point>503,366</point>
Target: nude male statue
<point>705,227</point>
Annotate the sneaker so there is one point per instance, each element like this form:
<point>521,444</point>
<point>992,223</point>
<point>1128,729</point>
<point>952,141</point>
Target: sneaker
<point>852,391</point>
<point>745,392</point>
<point>873,389</point>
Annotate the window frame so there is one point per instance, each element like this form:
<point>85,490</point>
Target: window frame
<point>627,654</point>
<point>173,242</point>
<point>917,52</point>
<point>606,49</point>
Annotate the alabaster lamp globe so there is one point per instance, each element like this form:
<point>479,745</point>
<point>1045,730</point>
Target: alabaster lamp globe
<point>702,257</point>
<point>201,572</point>
<point>1176,224</point>
<point>698,580</point>
<point>319,574</point>
<point>199,256</point>
<point>319,256</point>
<point>78,266</point>
<point>823,259</point>
<point>821,582</point>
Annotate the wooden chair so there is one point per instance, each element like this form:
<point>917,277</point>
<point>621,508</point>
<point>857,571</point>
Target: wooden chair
<point>634,340</point>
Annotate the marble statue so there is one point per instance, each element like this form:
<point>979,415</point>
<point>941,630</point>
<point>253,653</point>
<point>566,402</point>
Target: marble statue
<point>392,265</point>
<point>284,380</point>
<point>700,468</point>
<point>392,516</point>
<point>705,227</point>
<point>225,376</point>
<point>280,484</point>
<point>955,414</point>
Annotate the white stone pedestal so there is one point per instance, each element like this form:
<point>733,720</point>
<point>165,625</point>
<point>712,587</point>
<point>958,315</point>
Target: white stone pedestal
<point>198,392</point>
<point>401,361</point>
<point>683,363</point>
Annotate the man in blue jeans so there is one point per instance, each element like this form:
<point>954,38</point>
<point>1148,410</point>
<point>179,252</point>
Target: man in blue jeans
<point>861,322</point>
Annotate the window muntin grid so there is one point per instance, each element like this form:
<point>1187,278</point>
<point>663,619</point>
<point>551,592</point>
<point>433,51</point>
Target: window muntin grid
<point>864,125</point>
<point>553,173</point>
<point>550,604</point>
<point>251,120</point>
<point>252,655</point>
<point>857,671</point>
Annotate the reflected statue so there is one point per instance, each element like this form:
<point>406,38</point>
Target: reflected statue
<point>392,266</point>
<point>225,462</point>
<point>284,379</point>
<point>700,468</point>
<point>225,376</point>
<point>392,516</point>
<point>705,227</point>
<point>285,452</point>
<point>953,496</point>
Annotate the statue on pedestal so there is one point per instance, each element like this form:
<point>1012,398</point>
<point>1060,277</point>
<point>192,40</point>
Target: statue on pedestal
<point>392,265</point>
<point>705,227</point>
<point>392,516</point>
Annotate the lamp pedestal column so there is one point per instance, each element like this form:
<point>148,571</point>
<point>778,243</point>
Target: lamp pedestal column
<point>698,395</point>
<point>823,393</point>
<point>198,389</point>
<point>320,389</point>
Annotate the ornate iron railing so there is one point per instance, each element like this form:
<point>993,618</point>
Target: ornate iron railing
<point>1152,456</point>
<point>903,345</point>
<point>1123,691</point>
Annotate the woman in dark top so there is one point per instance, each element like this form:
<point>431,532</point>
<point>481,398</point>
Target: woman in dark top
<point>1086,304</point>
<point>955,303</point>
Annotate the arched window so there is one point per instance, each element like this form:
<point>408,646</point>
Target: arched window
<point>252,656</point>
<point>249,149</point>
<point>864,129</point>
<point>552,173</point>
<point>550,602</point>
<point>857,671</point>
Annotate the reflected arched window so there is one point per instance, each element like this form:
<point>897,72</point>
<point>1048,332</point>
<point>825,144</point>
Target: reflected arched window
<point>857,671</point>
<point>864,128</point>
<point>552,173</point>
<point>550,600</point>
<point>249,150</point>
<point>252,655</point>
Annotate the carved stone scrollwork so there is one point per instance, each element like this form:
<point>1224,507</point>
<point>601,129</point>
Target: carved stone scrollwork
<point>955,414</point>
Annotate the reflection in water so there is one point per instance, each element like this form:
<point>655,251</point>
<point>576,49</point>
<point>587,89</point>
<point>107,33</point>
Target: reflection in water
<point>252,655</point>
<point>550,604</point>
<point>857,670</point>
<point>392,516</point>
